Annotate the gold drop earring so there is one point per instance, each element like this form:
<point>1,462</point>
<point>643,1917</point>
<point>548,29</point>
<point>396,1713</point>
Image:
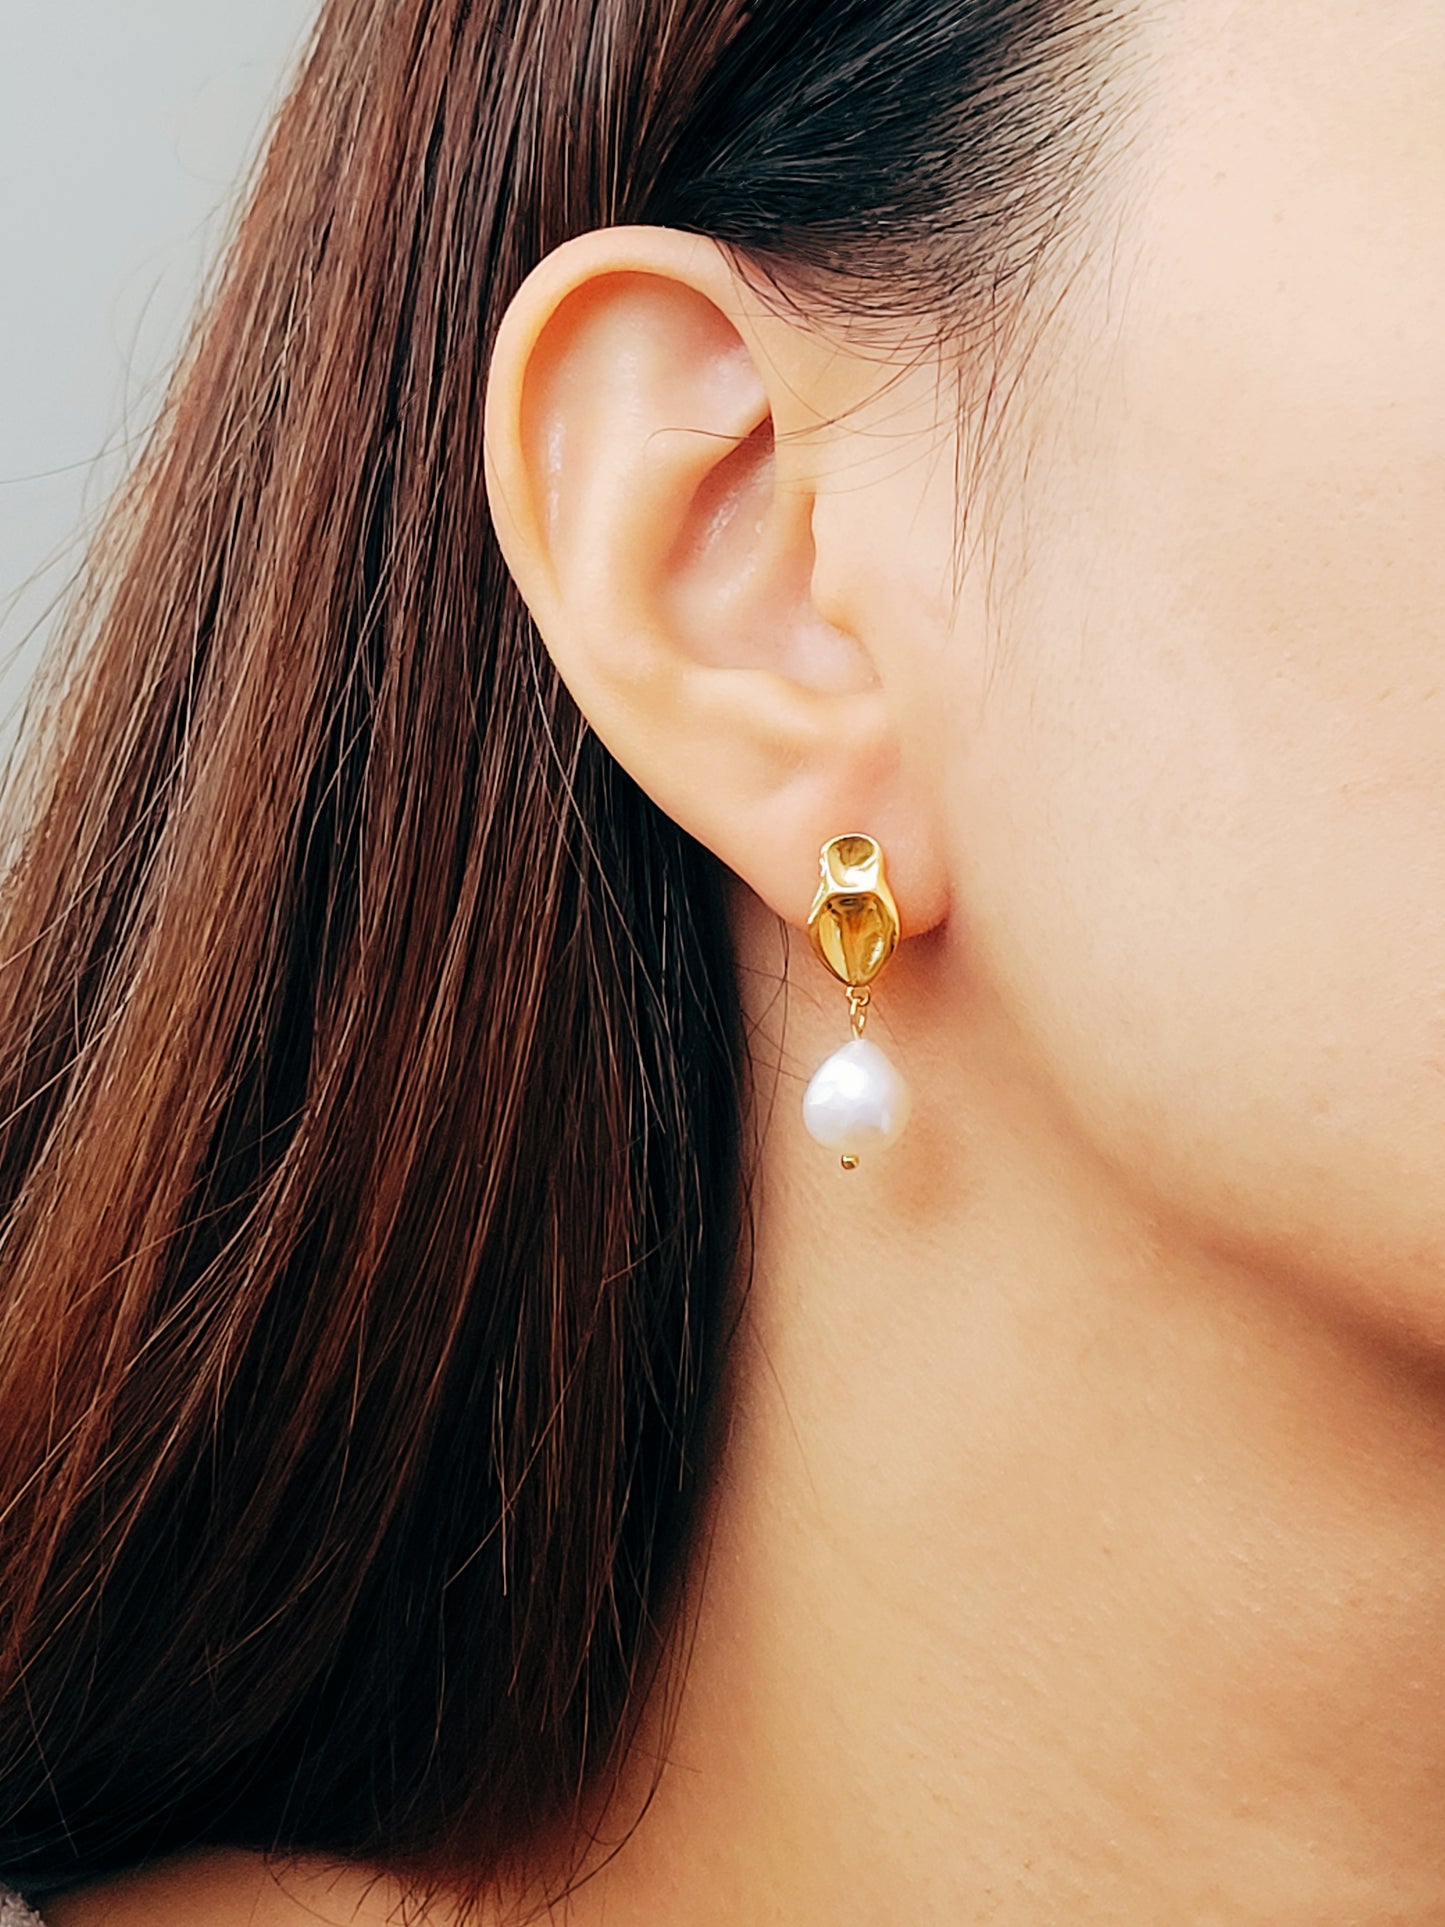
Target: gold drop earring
<point>856,1098</point>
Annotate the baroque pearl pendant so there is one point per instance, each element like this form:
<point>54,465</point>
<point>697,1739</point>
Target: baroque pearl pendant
<point>856,1100</point>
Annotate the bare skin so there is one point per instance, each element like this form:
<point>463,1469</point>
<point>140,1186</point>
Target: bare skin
<point>1079,1549</point>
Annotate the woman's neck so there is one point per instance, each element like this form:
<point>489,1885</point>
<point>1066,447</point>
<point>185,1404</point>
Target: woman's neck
<point>1058,1571</point>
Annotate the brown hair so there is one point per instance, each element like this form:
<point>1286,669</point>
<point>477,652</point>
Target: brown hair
<point>370,1080</point>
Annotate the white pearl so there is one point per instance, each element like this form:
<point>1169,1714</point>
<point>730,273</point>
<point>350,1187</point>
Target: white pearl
<point>856,1099</point>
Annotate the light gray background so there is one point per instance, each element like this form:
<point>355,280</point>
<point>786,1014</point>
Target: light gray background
<point>125,127</point>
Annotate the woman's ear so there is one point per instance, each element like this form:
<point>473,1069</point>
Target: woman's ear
<point>653,474</point>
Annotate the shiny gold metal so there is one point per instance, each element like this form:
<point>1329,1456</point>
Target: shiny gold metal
<point>854,923</point>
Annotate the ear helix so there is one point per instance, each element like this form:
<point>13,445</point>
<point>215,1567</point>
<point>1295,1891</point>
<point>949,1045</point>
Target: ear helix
<point>856,1100</point>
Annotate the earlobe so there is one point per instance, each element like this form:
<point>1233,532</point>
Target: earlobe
<point>654,499</point>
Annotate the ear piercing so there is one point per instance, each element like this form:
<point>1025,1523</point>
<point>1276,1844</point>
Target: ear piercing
<point>856,1099</point>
